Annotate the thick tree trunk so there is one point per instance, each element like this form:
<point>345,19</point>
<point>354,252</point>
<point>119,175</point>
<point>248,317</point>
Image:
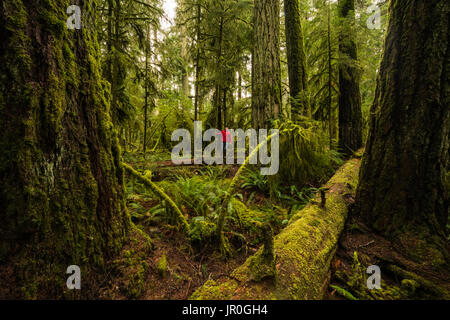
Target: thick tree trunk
<point>401,192</point>
<point>296,58</point>
<point>218,107</point>
<point>197,62</point>
<point>350,116</point>
<point>266,67</point>
<point>219,88</point>
<point>147,50</point>
<point>225,108</point>
<point>330,78</point>
<point>61,184</point>
<point>184,55</point>
<point>239,93</point>
<point>109,41</point>
<point>299,257</point>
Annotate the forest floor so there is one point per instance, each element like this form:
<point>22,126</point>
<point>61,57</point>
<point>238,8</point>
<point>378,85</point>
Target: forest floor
<point>177,265</point>
<point>401,276</point>
<point>183,272</point>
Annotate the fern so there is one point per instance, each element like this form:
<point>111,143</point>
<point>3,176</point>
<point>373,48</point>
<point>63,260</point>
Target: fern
<point>254,180</point>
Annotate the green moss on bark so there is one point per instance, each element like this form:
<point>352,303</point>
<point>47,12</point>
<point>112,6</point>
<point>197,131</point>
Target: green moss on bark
<point>61,183</point>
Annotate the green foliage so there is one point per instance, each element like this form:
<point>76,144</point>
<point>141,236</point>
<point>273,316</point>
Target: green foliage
<point>170,204</point>
<point>370,48</point>
<point>252,219</point>
<point>252,179</point>
<point>343,292</point>
<point>174,111</point>
<point>221,41</point>
<point>322,52</point>
<point>407,285</point>
<point>124,41</point>
<point>294,198</point>
<point>198,196</point>
<point>202,231</point>
<point>214,173</point>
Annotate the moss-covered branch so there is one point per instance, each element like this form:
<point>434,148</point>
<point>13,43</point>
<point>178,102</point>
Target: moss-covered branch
<point>303,251</point>
<point>159,192</point>
<point>232,189</point>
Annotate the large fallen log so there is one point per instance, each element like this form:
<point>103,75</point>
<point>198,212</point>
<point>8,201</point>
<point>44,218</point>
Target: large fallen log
<point>303,250</point>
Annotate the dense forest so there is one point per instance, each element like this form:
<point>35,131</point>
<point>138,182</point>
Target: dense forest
<point>225,149</point>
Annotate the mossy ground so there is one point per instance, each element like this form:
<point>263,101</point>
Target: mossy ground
<point>179,262</point>
<point>183,261</point>
<point>401,277</point>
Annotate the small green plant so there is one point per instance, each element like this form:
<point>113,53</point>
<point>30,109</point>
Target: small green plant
<point>162,266</point>
<point>294,198</point>
<point>202,231</point>
<point>255,181</point>
<point>214,173</point>
<point>197,195</point>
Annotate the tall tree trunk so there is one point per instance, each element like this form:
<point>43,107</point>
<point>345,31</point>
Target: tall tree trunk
<point>350,116</point>
<point>147,50</point>
<point>219,88</point>
<point>115,76</point>
<point>197,62</point>
<point>401,192</point>
<point>184,55</point>
<point>330,78</point>
<point>61,184</point>
<point>296,58</point>
<point>218,106</point>
<point>266,67</point>
<point>109,40</point>
<point>225,108</point>
<point>239,95</point>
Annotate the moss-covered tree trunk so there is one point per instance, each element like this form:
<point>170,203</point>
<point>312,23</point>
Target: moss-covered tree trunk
<point>350,116</point>
<point>266,67</point>
<point>401,192</point>
<point>61,189</point>
<point>197,59</point>
<point>219,90</point>
<point>185,58</point>
<point>296,58</point>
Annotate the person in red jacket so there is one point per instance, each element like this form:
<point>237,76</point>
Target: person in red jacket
<point>226,139</point>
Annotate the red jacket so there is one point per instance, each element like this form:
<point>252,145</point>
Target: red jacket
<point>226,136</point>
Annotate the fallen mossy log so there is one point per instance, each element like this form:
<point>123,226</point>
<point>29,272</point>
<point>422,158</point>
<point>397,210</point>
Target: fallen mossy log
<point>303,251</point>
<point>160,193</point>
